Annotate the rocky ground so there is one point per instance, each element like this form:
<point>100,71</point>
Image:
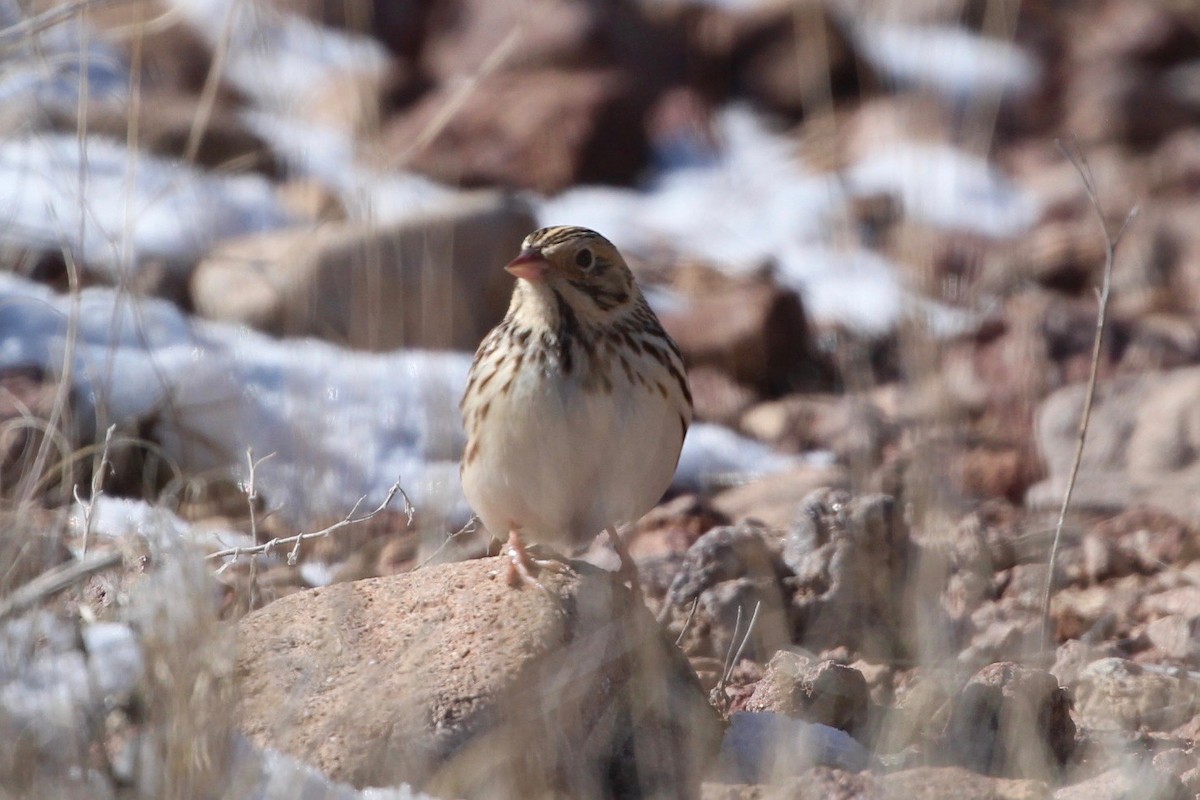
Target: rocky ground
<point>844,588</point>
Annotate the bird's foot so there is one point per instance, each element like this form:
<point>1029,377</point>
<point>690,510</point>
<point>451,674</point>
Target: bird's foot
<point>524,568</point>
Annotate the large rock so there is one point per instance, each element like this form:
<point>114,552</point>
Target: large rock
<point>823,692</point>
<point>850,556</point>
<point>434,281</point>
<point>450,678</point>
<point>1012,721</point>
<point>1142,446</point>
<point>1115,692</point>
<point>755,332</point>
<point>545,130</point>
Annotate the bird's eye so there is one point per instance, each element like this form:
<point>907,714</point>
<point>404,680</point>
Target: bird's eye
<point>583,259</point>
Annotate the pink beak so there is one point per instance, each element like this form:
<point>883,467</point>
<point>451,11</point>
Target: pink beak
<point>530,265</point>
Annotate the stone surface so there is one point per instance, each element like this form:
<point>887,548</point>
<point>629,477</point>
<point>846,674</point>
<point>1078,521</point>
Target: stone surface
<point>850,558</point>
<point>820,691</point>
<point>755,332</point>
<point>1125,783</point>
<point>544,130</point>
<point>776,499</point>
<point>730,574</point>
<point>472,688</point>
<point>436,281</point>
<point>1012,721</point>
<point>935,783</point>
<point>1117,692</point>
<point>765,747</point>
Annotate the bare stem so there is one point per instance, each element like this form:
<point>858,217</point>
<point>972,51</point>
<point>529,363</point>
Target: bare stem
<point>234,553</point>
<point>1079,161</point>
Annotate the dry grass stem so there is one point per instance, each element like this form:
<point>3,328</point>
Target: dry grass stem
<point>470,527</point>
<point>1079,161</point>
<point>97,489</point>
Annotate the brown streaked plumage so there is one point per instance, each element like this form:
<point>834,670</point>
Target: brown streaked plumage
<point>577,403</point>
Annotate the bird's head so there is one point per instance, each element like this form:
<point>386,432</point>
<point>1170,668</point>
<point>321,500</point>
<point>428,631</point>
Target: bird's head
<point>577,265</point>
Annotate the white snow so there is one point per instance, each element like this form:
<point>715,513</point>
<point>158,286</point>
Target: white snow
<point>715,457</point>
<point>948,59</point>
<point>113,209</point>
<point>340,424</point>
<point>755,205</point>
<point>946,188</point>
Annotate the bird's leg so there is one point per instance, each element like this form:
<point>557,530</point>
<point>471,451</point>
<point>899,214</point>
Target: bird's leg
<point>628,570</point>
<point>521,567</point>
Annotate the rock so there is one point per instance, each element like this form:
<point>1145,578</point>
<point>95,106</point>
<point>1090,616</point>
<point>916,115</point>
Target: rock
<point>1163,459</point>
<point>164,121</point>
<point>27,407</point>
<point>851,427</point>
<point>822,692</point>
<point>776,499</point>
<point>754,331</point>
<point>765,747</point>
<point>850,558</point>
<point>934,783</point>
<point>816,783</point>
<point>723,554</point>
<point>1176,636</point>
<point>1012,721</point>
<point>545,130</point>
<point>399,24</point>
<point>730,574</point>
<point>115,661</point>
<point>1114,691</point>
<point>717,397</point>
<point>1103,483</point>
<point>446,669</point>
<point>783,56</point>
<point>435,281</point>
<point>1125,783</point>
<point>464,40</point>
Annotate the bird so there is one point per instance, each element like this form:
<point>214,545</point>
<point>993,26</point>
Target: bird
<point>576,406</point>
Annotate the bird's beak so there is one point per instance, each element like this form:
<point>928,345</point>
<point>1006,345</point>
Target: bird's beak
<point>530,265</point>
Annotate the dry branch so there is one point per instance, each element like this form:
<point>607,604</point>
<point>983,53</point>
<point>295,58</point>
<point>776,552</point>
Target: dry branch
<point>234,553</point>
<point>1079,161</point>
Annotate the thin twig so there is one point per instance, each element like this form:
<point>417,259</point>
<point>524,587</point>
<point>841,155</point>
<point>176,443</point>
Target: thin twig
<point>55,580</point>
<point>295,541</point>
<point>97,489</point>
<point>687,623</point>
<point>251,492</point>
<point>470,527</point>
<point>742,647</point>
<point>1079,161</point>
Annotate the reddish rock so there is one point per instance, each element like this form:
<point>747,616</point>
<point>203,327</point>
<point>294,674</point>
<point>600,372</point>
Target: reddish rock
<point>419,677</point>
<point>1014,721</point>
<point>823,691</point>
<point>787,57</point>
<point>1125,783</point>
<point>754,331</point>
<point>1115,691</point>
<point>544,129</point>
<point>429,281</point>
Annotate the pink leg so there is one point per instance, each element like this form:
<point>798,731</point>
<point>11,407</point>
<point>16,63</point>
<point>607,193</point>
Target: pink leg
<point>521,567</point>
